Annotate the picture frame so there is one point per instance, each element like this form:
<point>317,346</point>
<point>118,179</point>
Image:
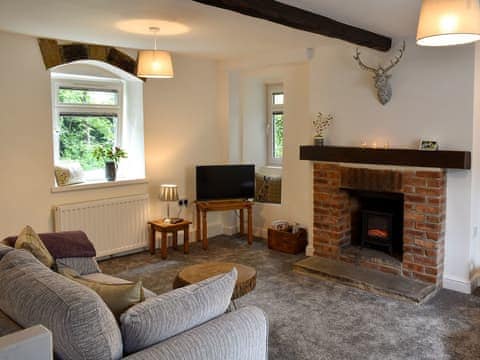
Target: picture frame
<point>428,145</point>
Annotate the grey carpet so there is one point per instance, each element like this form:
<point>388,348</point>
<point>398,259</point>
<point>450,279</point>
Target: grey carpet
<point>315,319</point>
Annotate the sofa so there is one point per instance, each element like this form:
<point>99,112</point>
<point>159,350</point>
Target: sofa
<point>187,323</point>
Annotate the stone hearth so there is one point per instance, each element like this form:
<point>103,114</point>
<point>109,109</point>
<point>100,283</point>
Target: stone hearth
<point>424,195</point>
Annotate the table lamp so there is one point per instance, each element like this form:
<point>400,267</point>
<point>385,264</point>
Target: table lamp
<point>168,193</point>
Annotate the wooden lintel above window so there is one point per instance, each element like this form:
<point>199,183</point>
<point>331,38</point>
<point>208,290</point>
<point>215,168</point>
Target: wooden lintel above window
<point>301,19</point>
<point>55,54</point>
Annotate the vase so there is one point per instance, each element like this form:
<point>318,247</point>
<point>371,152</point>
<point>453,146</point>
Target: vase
<point>318,141</point>
<point>110,170</point>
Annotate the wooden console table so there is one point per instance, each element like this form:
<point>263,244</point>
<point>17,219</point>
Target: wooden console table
<point>203,207</point>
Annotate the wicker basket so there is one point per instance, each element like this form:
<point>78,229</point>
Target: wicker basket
<point>286,241</point>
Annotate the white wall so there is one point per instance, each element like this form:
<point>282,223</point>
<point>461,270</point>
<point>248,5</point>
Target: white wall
<point>250,93</point>
<point>179,133</point>
<point>432,99</point>
<point>181,130</point>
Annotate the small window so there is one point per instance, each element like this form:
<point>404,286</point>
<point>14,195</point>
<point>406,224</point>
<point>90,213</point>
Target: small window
<point>87,96</point>
<point>277,98</point>
<point>87,113</point>
<point>275,124</point>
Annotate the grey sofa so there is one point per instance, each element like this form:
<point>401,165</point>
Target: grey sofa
<point>195,325</point>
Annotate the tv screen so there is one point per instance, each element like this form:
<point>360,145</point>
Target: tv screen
<point>221,182</point>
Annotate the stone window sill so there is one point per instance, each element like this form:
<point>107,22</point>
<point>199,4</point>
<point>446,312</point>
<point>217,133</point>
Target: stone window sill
<point>98,185</point>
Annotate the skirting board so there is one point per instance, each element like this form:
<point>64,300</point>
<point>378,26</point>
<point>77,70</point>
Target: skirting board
<point>456,284</point>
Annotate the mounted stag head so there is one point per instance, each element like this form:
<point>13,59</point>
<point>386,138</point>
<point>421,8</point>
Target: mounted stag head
<point>381,75</point>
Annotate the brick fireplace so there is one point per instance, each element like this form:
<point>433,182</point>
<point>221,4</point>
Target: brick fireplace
<point>408,241</point>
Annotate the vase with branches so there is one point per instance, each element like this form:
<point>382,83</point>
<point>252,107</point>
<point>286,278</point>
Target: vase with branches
<point>320,126</point>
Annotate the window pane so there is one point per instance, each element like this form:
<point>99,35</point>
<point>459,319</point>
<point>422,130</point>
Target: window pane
<point>87,96</point>
<point>277,121</point>
<point>277,98</point>
<point>80,134</point>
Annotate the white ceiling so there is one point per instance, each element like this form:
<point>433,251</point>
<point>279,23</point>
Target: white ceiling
<point>212,32</point>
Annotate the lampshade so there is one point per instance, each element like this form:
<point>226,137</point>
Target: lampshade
<point>448,22</point>
<point>154,64</point>
<point>168,192</point>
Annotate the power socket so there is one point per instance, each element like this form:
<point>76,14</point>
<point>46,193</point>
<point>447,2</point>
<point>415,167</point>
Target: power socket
<point>183,202</point>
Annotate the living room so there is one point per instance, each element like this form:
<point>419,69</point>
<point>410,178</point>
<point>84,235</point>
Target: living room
<point>217,110</point>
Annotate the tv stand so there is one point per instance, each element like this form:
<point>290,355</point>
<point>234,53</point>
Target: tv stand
<point>203,207</point>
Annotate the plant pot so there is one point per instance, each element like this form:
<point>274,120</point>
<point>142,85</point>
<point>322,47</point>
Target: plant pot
<point>110,170</point>
<point>318,141</point>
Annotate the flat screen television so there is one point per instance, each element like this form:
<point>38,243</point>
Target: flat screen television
<point>223,182</point>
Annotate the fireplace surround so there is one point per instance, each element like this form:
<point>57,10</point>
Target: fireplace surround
<point>407,212</point>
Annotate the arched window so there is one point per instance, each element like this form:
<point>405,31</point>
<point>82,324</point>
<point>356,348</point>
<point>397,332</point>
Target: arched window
<point>96,105</point>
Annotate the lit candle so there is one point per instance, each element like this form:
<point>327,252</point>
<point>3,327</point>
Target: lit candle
<point>364,144</point>
<point>374,145</point>
<point>386,145</point>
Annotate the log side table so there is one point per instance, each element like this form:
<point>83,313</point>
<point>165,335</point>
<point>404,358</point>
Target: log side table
<point>164,229</point>
<point>246,280</point>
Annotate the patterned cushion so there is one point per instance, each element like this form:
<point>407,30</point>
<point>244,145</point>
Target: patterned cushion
<point>30,241</point>
<point>4,249</point>
<point>166,315</point>
<point>82,265</point>
<point>238,335</point>
<point>82,325</point>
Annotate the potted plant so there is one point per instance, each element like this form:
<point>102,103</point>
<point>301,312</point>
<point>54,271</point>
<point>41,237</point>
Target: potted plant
<point>111,157</point>
<point>320,126</point>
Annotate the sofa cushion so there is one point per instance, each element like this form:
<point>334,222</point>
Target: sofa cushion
<point>118,297</point>
<point>166,315</point>
<point>30,241</point>
<point>4,249</point>
<point>82,325</point>
<point>82,265</point>
<point>108,279</point>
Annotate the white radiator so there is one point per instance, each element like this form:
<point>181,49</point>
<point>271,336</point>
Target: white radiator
<point>113,225</point>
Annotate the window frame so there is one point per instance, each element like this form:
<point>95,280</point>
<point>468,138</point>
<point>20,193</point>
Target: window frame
<point>270,128</point>
<point>91,83</point>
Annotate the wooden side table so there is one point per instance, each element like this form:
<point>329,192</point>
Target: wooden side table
<point>164,229</point>
<point>203,207</point>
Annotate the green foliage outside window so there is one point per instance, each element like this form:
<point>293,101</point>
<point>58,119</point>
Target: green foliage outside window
<point>81,133</point>
<point>278,135</point>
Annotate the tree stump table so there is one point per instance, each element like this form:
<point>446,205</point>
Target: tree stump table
<point>246,280</point>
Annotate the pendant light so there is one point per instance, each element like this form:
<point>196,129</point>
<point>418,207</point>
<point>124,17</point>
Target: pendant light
<point>154,63</point>
<point>448,22</point>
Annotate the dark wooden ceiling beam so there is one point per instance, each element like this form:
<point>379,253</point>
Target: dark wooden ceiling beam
<point>300,19</point>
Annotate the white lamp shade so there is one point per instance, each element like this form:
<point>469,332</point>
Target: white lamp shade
<point>154,64</point>
<point>448,22</point>
<point>168,193</point>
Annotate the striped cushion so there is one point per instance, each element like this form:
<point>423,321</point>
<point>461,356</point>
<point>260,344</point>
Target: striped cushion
<point>239,335</point>
<point>166,315</point>
<point>82,265</point>
<point>82,325</point>
<point>4,249</point>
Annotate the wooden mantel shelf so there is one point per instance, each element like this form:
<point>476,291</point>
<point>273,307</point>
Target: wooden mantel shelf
<point>398,157</point>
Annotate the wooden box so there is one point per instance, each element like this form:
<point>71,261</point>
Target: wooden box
<point>286,241</point>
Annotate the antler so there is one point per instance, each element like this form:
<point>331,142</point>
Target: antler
<point>362,64</point>
<point>397,58</point>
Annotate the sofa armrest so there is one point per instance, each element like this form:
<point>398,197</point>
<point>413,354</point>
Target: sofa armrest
<point>34,343</point>
<point>239,335</point>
